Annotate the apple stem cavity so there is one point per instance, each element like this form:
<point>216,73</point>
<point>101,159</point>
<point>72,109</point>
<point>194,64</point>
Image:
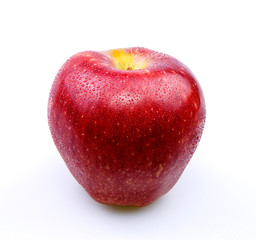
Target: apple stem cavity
<point>125,60</point>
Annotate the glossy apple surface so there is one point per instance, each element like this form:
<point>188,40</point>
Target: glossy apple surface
<point>126,122</point>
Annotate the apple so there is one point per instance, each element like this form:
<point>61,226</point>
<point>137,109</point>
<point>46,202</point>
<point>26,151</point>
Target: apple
<point>126,122</point>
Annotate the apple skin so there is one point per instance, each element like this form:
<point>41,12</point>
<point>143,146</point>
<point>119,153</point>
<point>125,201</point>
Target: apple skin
<point>126,135</point>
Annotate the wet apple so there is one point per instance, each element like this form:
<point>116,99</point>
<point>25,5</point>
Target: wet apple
<point>126,122</point>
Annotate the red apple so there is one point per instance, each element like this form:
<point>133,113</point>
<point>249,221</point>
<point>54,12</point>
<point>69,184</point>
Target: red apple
<point>126,122</point>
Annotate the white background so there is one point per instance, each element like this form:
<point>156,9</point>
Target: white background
<point>214,198</point>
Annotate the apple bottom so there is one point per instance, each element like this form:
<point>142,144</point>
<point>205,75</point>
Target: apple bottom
<point>124,188</point>
<point>115,165</point>
<point>131,171</point>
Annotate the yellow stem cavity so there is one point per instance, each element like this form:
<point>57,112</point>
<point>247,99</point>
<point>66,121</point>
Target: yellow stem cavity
<point>127,61</point>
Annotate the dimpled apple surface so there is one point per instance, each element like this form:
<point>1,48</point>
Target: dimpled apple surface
<point>126,122</point>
